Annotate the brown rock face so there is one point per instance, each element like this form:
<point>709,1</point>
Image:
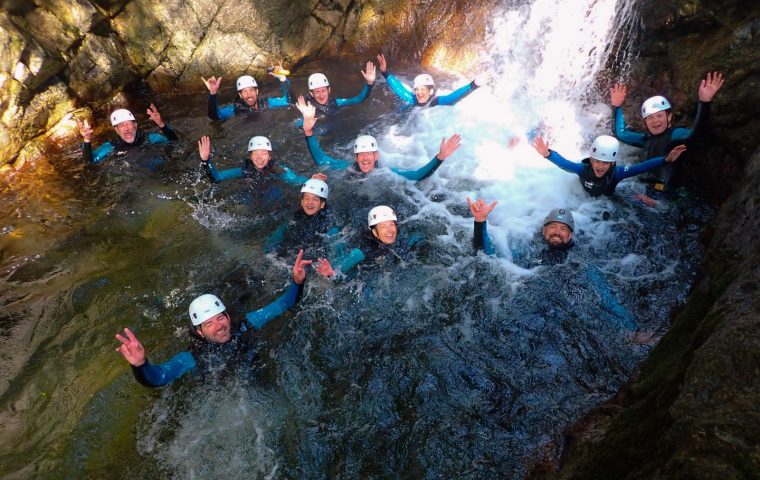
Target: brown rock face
<point>100,47</point>
<point>693,410</point>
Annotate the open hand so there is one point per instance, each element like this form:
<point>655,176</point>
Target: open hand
<point>213,84</point>
<point>541,147</point>
<point>309,113</point>
<point>381,61</point>
<point>617,94</point>
<point>480,209</point>
<point>131,348</point>
<point>85,129</point>
<point>320,176</point>
<point>324,268</point>
<point>449,146</point>
<point>675,153</point>
<point>710,86</point>
<point>204,148</point>
<point>369,73</point>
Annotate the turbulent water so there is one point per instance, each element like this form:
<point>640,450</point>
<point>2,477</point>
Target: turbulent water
<point>446,364</point>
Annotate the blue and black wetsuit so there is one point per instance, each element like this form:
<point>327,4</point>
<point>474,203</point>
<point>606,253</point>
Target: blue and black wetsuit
<point>120,147</point>
<point>239,108</point>
<point>335,104</point>
<point>373,254</point>
<point>660,145</point>
<point>248,170</point>
<point>309,232</point>
<point>199,354</point>
<point>324,160</point>
<point>410,100</point>
<point>545,255</point>
<point>606,184</point>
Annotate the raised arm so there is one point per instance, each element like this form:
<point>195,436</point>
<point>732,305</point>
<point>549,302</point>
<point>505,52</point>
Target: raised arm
<point>258,318</point>
<point>284,100</point>
<point>317,154</point>
<point>406,95</point>
<point>617,97</point>
<point>147,373</point>
<point>448,147</point>
<point>480,211</point>
<point>369,77</point>
<point>204,151</point>
<point>543,149</point>
<point>639,168</point>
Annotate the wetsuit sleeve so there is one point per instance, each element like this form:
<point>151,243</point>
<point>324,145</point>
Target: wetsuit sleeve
<point>700,119</point>
<point>291,178</point>
<point>258,318</point>
<point>87,152</point>
<point>284,100</point>
<point>216,113</point>
<point>481,240</point>
<point>275,238</point>
<point>366,89</point>
<point>218,176</point>
<point>422,172</point>
<point>457,94</point>
<point>99,154</point>
<point>347,262</point>
<point>564,164</point>
<point>321,158</point>
<point>168,135</point>
<point>622,133</point>
<point>638,168</point>
<point>152,375</point>
<point>399,89</point>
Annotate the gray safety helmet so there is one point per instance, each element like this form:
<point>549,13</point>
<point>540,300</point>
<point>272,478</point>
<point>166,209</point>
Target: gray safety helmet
<point>560,215</point>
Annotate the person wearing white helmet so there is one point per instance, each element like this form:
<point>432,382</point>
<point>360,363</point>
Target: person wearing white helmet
<point>259,165</point>
<point>423,92</point>
<point>599,174</point>
<point>660,136</point>
<point>210,327</point>
<point>367,151</point>
<point>249,100</point>
<point>320,90</point>
<point>380,244</point>
<point>130,137</point>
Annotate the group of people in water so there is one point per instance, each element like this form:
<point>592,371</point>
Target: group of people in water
<point>210,323</point>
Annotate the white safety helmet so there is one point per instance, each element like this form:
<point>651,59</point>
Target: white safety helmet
<point>560,215</point>
<point>365,143</point>
<point>205,307</point>
<point>121,115</point>
<point>259,143</point>
<point>318,80</point>
<point>424,80</point>
<point>317,187</point>
<point>605,149</point>
<point>653,105</point>
<point>246,81</point>
<point>379,215</point>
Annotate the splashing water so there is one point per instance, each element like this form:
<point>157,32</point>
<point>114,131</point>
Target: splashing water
<point>444,364</point>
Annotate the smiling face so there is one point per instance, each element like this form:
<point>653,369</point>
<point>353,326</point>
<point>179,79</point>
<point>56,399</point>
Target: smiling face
<point>658,122</point>
<point>312,204</point>
<point>127,130</point>
<point>249,95</point>
<point>366,161</point>
<point>321,95</point>
<point>260,158</point>
<point>386,231</point>
<point>216,329</point>
<point>423,93</point>
<point>600,168</point>
<point>557,234</point>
